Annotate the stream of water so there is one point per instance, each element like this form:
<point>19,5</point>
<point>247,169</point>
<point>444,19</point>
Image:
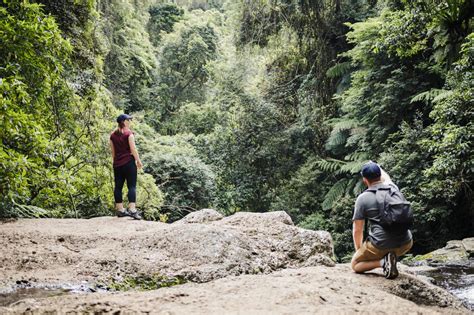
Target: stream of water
<point>457,279</point>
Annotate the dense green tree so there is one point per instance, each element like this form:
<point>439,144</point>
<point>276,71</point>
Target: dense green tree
<point>184,56</point>
<point>393,105</point>
<point>247,105</point>
<point>130,61</point>
<point>30,80</point>
<point>187,182</point>
<point>162,19</point>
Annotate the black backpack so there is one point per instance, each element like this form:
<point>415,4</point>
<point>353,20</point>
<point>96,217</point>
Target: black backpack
<point>395,211</point>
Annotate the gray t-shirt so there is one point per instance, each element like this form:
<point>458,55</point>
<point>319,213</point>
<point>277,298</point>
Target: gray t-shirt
<point>366,208</point>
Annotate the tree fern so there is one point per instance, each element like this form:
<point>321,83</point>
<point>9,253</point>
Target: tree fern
<point>427,96</point>
<point>330,165</point>
<point>357,156</point>
<point>28,211</point>
<point>359,187</point>
<point>349,184</point>
<point>443,95</point>
<point>335,193</point>
<point>351,167</point>
<point>339,69</point>
<point>339,133</point>
<point>341,125</point>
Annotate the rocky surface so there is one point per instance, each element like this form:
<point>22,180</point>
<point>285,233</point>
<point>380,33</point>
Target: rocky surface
<point>247,263</point>
<point>202,216</point>
<point>103,249</point>
<point>310,290</point>
<point>468,244</point>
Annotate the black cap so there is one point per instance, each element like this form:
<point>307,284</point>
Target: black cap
<point>123,117</point>
<point>371,170</point>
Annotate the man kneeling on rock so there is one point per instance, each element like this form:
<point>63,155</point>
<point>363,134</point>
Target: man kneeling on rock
<point>383,245</point>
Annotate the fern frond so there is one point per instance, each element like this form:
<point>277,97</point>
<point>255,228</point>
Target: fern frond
<point>336,139</point>
<point>338,70</point>
<point>358,188</point>
<point>357,156</point>
<point>427,96</point>
<point>26,211</point>
<point>443,95</point>
<point>337,191</point>
<point>346,124</point>
<point>352,167</point>
<point>330,165</point>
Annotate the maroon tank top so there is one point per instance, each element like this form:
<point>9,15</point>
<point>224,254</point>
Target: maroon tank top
<point>123,154</point>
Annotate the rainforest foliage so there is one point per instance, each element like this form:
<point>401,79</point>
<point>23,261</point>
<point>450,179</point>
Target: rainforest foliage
<point>240,106</point>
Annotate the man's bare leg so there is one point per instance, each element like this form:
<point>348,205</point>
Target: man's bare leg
<point>365,265</point>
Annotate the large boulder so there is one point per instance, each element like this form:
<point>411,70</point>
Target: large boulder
<point>107,249</point>
<point>456,252</point>
<point>452,252</point>
<point>468,244</point>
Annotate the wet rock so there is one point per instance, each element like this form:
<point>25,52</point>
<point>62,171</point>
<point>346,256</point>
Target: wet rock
<point>468,244</point>
<point>453,251</point>
<point>456,252</point>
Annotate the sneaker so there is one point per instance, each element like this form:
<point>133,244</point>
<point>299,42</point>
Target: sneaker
<point>390,270</point>
<point>136,215</point>
<point>122,214</point>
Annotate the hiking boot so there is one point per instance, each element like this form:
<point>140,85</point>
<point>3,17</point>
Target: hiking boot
<point>390,270</point>
<point>136,215</point>
<point>122,214</point>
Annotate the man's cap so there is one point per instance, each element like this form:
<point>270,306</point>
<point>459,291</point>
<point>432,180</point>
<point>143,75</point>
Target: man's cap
<point>123,117</point>
<point>371,170</point>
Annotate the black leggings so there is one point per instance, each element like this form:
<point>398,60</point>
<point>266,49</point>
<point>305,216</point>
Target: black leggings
<point>126,172</point>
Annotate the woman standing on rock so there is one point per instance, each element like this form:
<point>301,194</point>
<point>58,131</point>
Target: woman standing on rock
<point>125,163</point>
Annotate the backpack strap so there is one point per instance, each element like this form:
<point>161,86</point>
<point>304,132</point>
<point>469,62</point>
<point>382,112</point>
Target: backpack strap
<point>381,194</point>
<point>374,190</point>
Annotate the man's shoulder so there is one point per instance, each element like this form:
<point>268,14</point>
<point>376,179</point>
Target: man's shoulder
<point>364,199</point>
<point>365,194</point>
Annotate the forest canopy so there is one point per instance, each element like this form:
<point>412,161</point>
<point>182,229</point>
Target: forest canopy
<point>240,106</point>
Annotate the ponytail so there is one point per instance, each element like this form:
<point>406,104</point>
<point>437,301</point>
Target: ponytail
<point>120,126</point>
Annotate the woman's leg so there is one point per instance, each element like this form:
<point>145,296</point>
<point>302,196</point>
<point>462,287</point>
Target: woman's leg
<point>119,178</point>
<point>132,185</point>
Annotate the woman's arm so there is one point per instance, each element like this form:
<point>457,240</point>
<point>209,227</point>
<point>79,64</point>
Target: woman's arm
<point>112,149</point>
<point>133,149</point>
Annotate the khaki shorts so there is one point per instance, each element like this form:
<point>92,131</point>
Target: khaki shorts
<point>368,252</point>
